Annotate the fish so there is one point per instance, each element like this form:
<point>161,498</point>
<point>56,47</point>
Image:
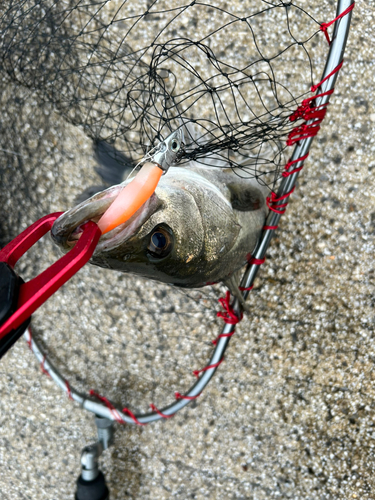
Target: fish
<point>199,227</point>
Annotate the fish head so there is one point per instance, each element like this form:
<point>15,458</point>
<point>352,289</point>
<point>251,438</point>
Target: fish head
<point>176,237</point>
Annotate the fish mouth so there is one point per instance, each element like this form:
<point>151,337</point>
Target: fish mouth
<point>67,229</point>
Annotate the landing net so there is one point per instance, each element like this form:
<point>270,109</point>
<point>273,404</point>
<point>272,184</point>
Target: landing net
<point>232,75</point>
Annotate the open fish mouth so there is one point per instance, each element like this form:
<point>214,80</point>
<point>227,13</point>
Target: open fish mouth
<point>67,229</point>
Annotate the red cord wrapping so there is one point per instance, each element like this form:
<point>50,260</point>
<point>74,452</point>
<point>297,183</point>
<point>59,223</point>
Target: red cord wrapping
<point>305,108</point>
<point>324,26</point>
<point>42,367</point>
<point>116,415</point>
<point>253,260</point>
<point>215,365</point>
<point>29,340</point>
<point>307,113</point>
<point>229,316</point>
<point>223,335</point>
<point>307,101</point>
<point>302,132</point>
<point>153,407</point>
<point>315,87</point>
<point>114,411</point>
<point>190,398</point>
<point>68,390</point>
<point>279,208</point>
<point>132,416</point>
<point>286,172</point>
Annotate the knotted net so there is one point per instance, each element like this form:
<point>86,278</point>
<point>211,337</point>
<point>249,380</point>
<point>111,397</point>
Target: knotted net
<point>132,72</point>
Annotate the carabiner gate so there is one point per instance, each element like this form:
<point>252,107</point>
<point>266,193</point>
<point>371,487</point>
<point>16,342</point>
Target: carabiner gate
<point>18,299</point>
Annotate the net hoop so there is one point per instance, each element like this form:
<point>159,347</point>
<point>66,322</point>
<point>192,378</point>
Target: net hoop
<point>312,111</point>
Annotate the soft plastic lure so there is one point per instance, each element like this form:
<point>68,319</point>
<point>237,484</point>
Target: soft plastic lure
<point>141,188</point>
<point>131,197</point>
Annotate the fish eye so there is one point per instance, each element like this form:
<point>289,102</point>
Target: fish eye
<point>175,145</point>
<point>161,242</point>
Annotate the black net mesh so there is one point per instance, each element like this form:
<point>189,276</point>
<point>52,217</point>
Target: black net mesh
<point>132,72</point>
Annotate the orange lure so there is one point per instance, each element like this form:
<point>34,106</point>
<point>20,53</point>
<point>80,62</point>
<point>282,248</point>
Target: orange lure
<point>132,197</point>
<point>139,190</point>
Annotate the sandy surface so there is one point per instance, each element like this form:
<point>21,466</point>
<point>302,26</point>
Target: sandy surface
<point>291,412</point>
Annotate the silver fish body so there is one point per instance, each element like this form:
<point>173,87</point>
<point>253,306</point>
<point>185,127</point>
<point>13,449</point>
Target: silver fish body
<point>199,227</point>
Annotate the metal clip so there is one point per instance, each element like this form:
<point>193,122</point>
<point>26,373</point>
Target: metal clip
<point>169,151</point>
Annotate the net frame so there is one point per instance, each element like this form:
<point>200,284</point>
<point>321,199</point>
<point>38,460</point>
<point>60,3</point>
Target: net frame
<point>312,111</point>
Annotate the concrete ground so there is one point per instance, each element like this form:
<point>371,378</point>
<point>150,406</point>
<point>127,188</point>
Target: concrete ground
<point>291,411</point>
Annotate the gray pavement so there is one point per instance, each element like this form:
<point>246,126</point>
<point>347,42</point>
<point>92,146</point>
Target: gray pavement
<point>291,411</point>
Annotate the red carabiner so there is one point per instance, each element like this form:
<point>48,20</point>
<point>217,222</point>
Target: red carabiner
<point>35,292</point>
